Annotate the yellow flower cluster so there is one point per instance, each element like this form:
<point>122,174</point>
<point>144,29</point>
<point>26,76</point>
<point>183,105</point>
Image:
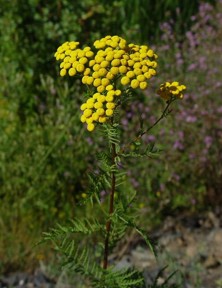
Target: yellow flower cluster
<point>99,107</point>
<point>168,90</point>
<point>113,63</point>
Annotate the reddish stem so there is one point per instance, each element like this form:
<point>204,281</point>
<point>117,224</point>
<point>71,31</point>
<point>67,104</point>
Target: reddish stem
<point>111,209</point>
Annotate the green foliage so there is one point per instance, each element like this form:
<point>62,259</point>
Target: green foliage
<point>43,149</point>
<point>79,259</point>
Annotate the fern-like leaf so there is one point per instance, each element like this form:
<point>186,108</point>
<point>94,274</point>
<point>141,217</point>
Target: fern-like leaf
<point>121,279</point>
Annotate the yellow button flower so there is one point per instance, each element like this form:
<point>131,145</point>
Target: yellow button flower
<point>96,67</point>
<point>130,74</point>
<point>80,68</point>
<point>83,119</point>
<point>87,72</point>
<point>84,78</point>
<point>100,111</point>
<point>63,72</point>
<point>118,92</point>
<point>111,93</point>
<point>72,72</point>
<point>83,60</point>
<point>105,82</point>
<point>87,113</point>
<point>101,98</point>
<point>114,70</point>
<point>95,116</point>
<point>102,119</point>
<point>109,112</point>
<point>123,69</point>
<point>102,72</point>
<point>89,80</point>
<point>110,76</point>
<point>90,127</point>
<point>115,62</point>
<point>125,80</point>
<point>98,105</point>
<point>134,83</point>
<point>109,98</point>
<point>141,78</point>
<point>104,64</point>
<point>83,106</point>
<point>143,85</point>
<point>101,88</point>
<point>110,105</point>
<point>109,87</point>
<point>150,53</point>
<point>96,82</point>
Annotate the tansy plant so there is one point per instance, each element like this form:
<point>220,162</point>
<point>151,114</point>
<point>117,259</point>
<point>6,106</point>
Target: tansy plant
<point>111,70</point>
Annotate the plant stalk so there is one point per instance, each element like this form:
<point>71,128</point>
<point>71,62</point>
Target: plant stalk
<point>142,133</point>
<point>111,209</point>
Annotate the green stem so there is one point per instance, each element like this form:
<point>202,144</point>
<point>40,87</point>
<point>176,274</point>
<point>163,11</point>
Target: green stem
<point>142,133</point>
<point>165,111</point>
<point>111,209</point>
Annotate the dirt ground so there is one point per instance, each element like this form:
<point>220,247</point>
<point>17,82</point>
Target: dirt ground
<point>190,245</point>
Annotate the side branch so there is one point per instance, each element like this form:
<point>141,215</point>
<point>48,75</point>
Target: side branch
<point>165,112</point>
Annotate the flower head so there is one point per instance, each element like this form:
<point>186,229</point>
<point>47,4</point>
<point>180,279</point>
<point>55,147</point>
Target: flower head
<point>171,90</point>
<point>111,63</point>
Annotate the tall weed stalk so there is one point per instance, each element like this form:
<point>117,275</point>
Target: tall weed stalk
<point>112,71</point>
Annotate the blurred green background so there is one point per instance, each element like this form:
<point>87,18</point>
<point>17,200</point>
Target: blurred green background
<point>45,152</point>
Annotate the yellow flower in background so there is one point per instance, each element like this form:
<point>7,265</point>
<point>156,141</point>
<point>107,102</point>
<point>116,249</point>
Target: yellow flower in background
<point>170,90</point>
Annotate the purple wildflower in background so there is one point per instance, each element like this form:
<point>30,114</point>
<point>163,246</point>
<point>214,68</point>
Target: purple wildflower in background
<point>89,140</point>
<point>103,194</point>
<point>151,138</point>
<point>124,122</point>
<point>202,63</point>
<point>219,109</point>
<point>192,67</point>
<point>134,182</point>
<point>193,201</point>
<point>129,115</point>
<point>192,156</point>
<point>165,47</point>
<point>181,135</point>
<point>179,58</point>
<point>162,187</point>
<point>218,84</point>
<point>193,42</point>
<point>191,119</point>
<point>208,140</point>
<point>175,177</point>
<point>178,145</point>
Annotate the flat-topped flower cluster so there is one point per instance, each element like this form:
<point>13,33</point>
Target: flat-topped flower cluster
<point>171,89</point>
<point>111,64</point>
<point>113,61</point>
